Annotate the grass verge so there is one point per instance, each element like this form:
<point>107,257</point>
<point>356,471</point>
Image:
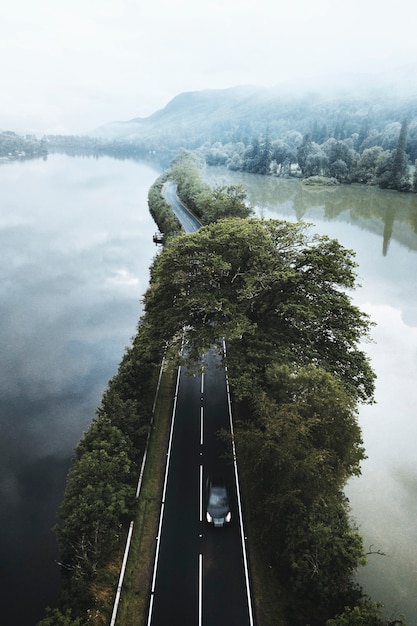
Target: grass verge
<point>268,598</point>
<point>136,586</point>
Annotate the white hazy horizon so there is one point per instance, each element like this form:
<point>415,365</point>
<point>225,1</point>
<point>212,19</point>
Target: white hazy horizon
<point>69,66</point>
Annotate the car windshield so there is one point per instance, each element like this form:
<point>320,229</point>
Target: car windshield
<point>218,501</point>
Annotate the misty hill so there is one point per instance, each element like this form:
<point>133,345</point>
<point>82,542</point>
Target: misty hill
<point>236,114</point>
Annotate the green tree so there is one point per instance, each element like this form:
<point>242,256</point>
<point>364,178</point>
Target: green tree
<point>303,151</point>
<point>265,154</point>
<point>185,170</point>
<point>224,202</point>
<point>301,441</point>
<point>316,162</point>
<point>56,617</point>
<point>396,176</point>
<point>322,553</point>
<point>282,157</point>
<point>415,178</point>
<point>269,282</point>
<point>252,155</point>
<point>297,447</point>
<point>161,212</point>
<point>367,613</point>
<point>341,159</point>
<point>366,168</point>
<point>97,497</point>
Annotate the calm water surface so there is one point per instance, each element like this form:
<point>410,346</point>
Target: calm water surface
<point>76,245</point>
<point>381,227</point>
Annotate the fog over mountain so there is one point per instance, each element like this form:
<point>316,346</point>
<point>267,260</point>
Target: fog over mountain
<point>233,114</point>
<point>68,67</point>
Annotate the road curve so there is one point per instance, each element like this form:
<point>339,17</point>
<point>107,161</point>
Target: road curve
<point>189,222</point>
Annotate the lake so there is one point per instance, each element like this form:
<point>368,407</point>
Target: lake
<point>381,227</point>
<point>76,242</point>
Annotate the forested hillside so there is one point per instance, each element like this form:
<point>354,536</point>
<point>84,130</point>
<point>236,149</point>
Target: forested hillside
<point>367,139</point>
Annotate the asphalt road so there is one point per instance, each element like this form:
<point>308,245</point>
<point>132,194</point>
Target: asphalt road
<point>200,576</point>
<point>189,222</point>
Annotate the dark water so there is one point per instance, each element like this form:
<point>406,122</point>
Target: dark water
<point>76,245</point>
<point>381,227</point>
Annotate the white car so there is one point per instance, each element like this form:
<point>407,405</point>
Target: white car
<point>218,504</point>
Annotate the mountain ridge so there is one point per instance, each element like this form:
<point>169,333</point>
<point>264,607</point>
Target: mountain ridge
<point>193,118</point>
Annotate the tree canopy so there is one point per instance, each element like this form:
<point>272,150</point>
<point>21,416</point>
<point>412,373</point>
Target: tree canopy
<point>97,495</point>
<point>208,204</point>
<point>259,282</point>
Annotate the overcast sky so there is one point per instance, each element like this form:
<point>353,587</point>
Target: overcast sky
<point>68,66</point>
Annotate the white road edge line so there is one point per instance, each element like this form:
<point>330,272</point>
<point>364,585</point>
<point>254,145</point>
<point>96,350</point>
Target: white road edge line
<point>239,502</point>
<point>161,514</point>
<point>200,590</point>
<point>201,493</point>
<point>122,573</point>
<point>138,489</point>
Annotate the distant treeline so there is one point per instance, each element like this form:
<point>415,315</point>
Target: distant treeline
<point>13,146</point>
<point>83,145</point>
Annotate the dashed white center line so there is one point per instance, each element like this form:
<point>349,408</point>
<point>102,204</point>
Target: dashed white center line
<point>200,589</point>
<point>201,493</point>
<point>201,426</point>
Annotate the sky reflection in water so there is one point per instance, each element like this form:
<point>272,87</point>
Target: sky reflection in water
<point>76,241</point>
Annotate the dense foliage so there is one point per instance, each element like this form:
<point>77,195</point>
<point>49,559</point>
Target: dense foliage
<point>263,283</point>
<point>161,211</point>
<point>13,146</point>
<point>206,203</point>
<point>56,617</point>
<point>370,157</point>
